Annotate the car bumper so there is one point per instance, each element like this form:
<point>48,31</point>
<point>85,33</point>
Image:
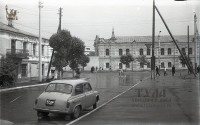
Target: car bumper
<point>67,111</point>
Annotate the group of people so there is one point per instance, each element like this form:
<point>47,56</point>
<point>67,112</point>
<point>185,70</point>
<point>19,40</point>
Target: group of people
<point>165,71</point>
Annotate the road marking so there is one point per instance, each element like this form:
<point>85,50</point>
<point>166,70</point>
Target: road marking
<point>20,87</point>
<point>105,103</point>
<point>15,99</point>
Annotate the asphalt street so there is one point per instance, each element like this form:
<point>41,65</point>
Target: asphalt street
<point>16,106</point>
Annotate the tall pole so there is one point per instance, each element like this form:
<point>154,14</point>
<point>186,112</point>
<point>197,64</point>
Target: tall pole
<point>195,42</point>
<point>59,29</point>
<point>188,43</point>
<point>153,41</point>
<point>40,40</point>
<point>159,49</point>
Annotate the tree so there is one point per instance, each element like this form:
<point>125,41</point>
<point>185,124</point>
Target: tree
<point>7,71</point>
<point>126,59</point>
<point>142,59</point>
<point>182,61</point>
<point>76,52</point>
<point>61,43</point>
<point>84,60</point>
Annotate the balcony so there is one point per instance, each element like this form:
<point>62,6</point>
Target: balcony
<point>17,53</point>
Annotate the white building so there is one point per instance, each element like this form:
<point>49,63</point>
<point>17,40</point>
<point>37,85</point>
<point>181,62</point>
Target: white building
<point>23,48</point>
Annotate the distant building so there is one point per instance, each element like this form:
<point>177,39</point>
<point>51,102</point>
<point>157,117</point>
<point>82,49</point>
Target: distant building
<point>89,51</point>
<point>23,47</point>
<point>110,50</point>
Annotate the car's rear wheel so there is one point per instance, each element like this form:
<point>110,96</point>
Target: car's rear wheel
<point>95,105</point>
<point>76,112</point>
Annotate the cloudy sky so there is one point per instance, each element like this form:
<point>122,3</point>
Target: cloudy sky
<point>87,18</point>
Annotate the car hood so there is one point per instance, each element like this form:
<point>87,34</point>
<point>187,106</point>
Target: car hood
<point>54,96</point>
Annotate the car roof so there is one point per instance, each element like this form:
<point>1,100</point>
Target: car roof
<point>70,81</point>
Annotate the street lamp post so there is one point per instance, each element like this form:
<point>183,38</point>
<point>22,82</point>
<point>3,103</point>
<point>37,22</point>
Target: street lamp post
<point>159,49</point>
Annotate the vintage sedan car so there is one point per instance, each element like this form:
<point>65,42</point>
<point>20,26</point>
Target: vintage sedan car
<point>66,97</point>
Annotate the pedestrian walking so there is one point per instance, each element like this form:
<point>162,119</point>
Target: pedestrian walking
<point>157,71</point>
<point>198,69</point>
<point>173,70</point>
<point>165,71</point>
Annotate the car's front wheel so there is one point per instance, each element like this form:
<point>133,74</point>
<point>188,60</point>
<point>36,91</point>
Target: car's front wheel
<point>95,105</point>
<point>76,112</point>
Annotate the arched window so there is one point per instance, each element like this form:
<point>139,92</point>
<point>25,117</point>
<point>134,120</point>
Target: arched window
<point>127,51</point>
<point>120,52</point>
<point>162,64</point>
<point>162,51</point>
<point>107,52</point>
<point>141,51</point>
<point>169,51</point>
<point>169,64</point>
<point>148,51</point>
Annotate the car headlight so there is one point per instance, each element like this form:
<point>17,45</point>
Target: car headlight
<point>67,105</point>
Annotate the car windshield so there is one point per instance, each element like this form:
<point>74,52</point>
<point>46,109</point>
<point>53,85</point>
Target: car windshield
<point>59,87</point>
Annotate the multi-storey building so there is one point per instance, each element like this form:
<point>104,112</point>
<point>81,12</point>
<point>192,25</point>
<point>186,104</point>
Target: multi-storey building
<point>23,47</point>
<point>110,50</point>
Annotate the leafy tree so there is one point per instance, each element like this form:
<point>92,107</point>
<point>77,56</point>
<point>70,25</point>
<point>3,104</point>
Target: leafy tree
<point>7,71</point>
<point>126,59</point>
<point>76,53</point>
<point>84,60</point>
<point>142,59</point>
<point>182,61</point>
<point>61,43</point>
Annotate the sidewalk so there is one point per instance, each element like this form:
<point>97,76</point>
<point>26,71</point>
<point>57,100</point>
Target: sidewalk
<point>165,100</point>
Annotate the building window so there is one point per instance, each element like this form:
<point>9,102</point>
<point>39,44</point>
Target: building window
<point>141,65</point>
<point>120,66</point>
<point>127,51</point>
<point>148,51</point>
<point>183,50</point>
<point>42,50</point>
<point>107,65</point>
<point>24,70</point>
<point>42,69</point>
<point>141,51</point>
<point>148,65</point>
<point>128,65</point>
<point>169,64</point>
<point>162,51</point>
<point>120,52</point>
<point>162,65</point>
<point>169,51</point>
<point>107,52</point>
<point>34,49</point>
<point>190,50</point>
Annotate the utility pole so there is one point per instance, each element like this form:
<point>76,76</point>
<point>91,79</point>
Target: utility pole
<point>40,40</point>
<point>59,29</point>
<point>195,42</point>
<point>188,43</point>
<point>153,41</point>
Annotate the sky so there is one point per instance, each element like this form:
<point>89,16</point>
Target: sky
<point>87,18</point>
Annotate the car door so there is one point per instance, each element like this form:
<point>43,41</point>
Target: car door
<point>89,95</point>
<point>80,96</point>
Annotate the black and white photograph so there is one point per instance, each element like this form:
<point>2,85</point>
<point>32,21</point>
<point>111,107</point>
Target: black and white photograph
<point>99,62</point>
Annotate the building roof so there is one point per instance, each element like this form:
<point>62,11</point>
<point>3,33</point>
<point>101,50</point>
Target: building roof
<point>164,38</point>
<point>6,28</point>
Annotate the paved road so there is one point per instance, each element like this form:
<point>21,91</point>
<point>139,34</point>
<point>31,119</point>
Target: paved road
<point>164,101</point>
<point>16,106</point>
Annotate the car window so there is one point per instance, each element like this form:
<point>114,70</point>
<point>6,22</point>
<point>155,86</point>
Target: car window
<point>59,87</point>
<point>79,89</point>
<point>87,87</point>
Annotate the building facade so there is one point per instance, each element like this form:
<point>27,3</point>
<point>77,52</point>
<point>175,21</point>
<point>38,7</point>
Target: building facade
<point>23,48</point>
<point>110,50</point>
